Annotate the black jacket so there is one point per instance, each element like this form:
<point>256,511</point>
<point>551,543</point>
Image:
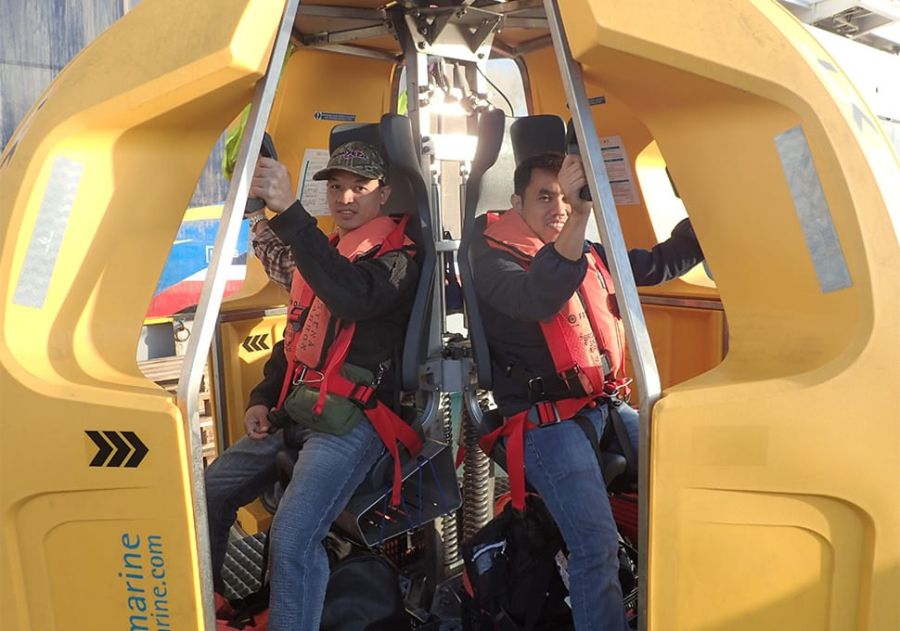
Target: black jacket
<point>376,293</point>
<point>513,301</point>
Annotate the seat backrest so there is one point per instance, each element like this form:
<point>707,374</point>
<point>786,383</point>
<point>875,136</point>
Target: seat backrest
<point>412,191</point>
<point>409,195</point>
<point>491,130</point>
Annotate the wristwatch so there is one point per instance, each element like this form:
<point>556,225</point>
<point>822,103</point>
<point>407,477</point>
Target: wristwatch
<point>255,219</point>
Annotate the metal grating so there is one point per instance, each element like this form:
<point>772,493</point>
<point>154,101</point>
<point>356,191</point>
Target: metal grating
<point>243,565</point>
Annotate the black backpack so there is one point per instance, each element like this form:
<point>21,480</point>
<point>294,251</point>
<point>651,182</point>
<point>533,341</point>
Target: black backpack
<point>511,567</point>
<point>515,567</point>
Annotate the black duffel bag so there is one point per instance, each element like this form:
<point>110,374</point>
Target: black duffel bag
<point>364,595</point>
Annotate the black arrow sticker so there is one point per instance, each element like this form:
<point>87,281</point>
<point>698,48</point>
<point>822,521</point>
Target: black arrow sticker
<point>256,343</point>
<point>103,448</point>
<point>122,449</point>
<point>120,445</point>
<point>140,449</point>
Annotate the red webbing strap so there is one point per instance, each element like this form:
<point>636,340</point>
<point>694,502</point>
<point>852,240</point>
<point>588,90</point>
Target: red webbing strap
<point>514,429</point>
<point>339,349</point>
<point>460,455</point>
<point>390,427</point>
<point>396,238</point>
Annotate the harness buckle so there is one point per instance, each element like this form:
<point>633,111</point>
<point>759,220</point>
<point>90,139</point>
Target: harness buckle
<point>300,376</point>
<point>547,412</point>
<point>536,386</point>
<point>361,395</point>
<point>570,375</point>
<point>617,391</point>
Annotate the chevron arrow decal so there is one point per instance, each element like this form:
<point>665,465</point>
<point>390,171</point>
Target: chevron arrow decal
<point>126,449</point>
<point>254,343</point>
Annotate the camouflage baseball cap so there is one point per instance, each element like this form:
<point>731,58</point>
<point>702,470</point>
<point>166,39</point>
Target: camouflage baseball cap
<point>359,158</point>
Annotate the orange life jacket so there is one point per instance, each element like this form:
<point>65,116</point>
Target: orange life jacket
<point>316,342</point>
<point>586,340</point>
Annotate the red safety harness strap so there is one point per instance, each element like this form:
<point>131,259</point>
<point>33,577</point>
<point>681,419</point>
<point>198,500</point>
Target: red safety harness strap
<point>390,427</point>
<point>514,429</point>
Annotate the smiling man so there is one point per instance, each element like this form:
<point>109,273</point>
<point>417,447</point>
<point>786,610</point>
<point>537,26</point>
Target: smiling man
<point>557,353</point>
<point>350,293</point>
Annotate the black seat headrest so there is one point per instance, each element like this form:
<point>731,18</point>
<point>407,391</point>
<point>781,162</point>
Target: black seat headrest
<point>349,132</point>
<point>532,135</point>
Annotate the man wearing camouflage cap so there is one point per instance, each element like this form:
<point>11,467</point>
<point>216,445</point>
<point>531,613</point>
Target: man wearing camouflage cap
<point>356,286</point>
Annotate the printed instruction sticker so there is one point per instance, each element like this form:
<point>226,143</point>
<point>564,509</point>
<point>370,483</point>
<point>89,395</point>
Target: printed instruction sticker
<point>311,193</point>
<point>618,170</point>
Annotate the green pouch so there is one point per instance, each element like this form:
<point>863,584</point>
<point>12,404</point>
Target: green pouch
<point>339,414</point>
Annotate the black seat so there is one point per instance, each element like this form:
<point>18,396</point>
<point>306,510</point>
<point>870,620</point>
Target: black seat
<point>528,136</point>
<point>363,519</point>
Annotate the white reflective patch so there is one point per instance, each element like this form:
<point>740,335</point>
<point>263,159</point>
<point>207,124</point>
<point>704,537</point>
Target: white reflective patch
<point>46,239</point>
<point>812,210</point>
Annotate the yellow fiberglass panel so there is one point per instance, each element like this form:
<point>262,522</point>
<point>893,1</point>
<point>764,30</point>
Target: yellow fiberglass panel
<point>795,195</point>
<point>245,348</point>
<point>98,528</point>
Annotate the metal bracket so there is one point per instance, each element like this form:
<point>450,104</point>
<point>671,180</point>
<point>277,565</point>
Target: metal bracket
<point>462,33</point>
<point>448,375</point>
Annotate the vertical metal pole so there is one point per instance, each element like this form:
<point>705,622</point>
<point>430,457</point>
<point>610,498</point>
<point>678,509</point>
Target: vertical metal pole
<point>188,394</point>
<point>646,373</point>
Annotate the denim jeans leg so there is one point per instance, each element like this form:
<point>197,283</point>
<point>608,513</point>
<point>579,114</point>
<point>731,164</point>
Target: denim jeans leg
<point>630,420</point>
<point>235,479</point>
<point>328,471</point>
<point>561,465</point>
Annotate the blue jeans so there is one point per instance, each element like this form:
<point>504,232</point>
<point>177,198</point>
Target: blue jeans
<point>328,471</point>
<point>562,467</point>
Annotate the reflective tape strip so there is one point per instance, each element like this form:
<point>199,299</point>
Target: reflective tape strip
<point>47,236</point>
<point>812,210</point>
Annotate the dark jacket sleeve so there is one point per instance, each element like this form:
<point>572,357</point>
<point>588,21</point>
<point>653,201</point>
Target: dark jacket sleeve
<point>665,261</point>
<point>267,391</point>
<point>530,295</point>
<point>352,291</point>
